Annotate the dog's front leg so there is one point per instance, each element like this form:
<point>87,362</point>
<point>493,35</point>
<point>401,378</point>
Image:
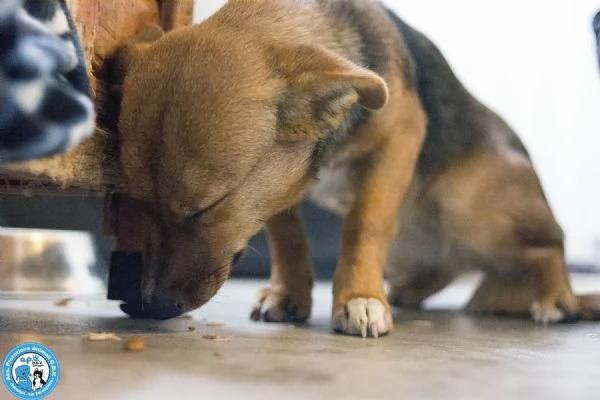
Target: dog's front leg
<point>288,299</point>
<point>359,302</point>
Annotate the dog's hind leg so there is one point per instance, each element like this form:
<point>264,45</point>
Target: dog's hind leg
<point>419,262</point>
<point>541,289</point>
<point>493,207</point>
<point>515,294</point>
<point>423,283</point>
<point>504,295</point>
<point>288,299</point>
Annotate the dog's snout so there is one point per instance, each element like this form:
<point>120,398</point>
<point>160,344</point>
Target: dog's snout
<point>165,306</point>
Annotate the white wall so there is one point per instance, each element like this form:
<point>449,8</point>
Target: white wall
<point>532,61</point>
<point>205,8</point>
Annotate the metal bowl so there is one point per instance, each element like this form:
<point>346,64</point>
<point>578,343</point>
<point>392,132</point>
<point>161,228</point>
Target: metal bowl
<point>36,262</point>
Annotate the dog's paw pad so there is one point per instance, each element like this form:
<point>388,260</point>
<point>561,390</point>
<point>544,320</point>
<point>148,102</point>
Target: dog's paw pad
<point>363,317</point>
<point>275,306</point>
<point>547,313</point>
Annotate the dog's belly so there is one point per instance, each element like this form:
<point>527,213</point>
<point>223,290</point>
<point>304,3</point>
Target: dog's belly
<point>421,244</point>
<point>333,189</point>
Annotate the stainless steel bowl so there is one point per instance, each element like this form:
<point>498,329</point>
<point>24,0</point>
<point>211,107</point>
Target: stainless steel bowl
<point>36,262</point>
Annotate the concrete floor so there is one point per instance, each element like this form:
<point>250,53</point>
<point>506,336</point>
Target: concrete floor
<point>435,354</point>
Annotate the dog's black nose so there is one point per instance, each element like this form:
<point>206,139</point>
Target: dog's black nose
<point>164,306</point>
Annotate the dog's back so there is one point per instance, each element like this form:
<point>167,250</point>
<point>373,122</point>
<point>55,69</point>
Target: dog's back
<point>458,124</point>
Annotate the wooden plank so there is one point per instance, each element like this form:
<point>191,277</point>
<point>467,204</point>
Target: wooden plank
<point>103,26</point>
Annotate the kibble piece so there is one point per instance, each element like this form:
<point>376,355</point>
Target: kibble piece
<point>63,302</point>
<point>101,337</point>
<point>216,338</point>
<point>135,344</point>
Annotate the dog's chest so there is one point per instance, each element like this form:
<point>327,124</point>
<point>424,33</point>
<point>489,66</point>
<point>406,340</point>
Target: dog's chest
<point>333,189</point>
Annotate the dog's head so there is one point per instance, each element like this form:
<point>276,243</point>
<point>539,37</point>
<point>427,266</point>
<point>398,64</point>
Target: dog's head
<point>23,372</point>
<point>218,134</point>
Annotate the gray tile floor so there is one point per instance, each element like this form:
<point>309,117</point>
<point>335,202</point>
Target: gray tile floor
<point>434,354</point>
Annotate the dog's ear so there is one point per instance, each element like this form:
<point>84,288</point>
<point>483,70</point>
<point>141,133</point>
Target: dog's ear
<point>322,90</point>
<point>129,51</point>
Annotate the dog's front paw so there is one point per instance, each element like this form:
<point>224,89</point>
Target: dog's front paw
<point>280,306</point>
<point>364,317</point>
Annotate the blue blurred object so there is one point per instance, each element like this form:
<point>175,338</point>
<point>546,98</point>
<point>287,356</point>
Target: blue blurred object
<point>597,29</point>
<point>45,104</point>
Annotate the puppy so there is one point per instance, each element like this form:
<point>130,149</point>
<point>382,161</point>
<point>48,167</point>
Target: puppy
<point>227,125</point>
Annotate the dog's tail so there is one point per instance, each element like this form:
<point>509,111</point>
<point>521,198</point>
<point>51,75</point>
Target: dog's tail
<point>589,307</point>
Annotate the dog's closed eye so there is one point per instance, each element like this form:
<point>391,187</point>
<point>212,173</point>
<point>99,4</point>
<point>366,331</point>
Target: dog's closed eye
<point>190,219</point>
<point>194,216</point>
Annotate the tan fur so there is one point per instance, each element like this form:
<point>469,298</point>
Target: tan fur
<point>220,127</point>
<point>492,217</point>
<point>371,222</point>
<point>231,134</point>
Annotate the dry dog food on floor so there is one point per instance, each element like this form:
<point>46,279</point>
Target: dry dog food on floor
<point>191,328</point>
<point>101,337</point>
<point>63,302</point>
<point>215,338</point>
<point>135,344</point>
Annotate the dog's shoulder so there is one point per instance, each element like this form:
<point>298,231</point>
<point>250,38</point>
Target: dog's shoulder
<point>363,32</point>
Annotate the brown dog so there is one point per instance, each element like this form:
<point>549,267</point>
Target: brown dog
<point>227,125</point>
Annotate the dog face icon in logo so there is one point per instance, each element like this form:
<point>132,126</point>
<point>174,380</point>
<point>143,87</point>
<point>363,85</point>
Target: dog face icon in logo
<point>22,377</point>
<point>30,371</point>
